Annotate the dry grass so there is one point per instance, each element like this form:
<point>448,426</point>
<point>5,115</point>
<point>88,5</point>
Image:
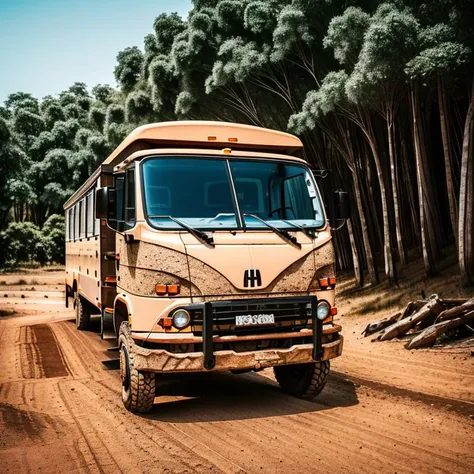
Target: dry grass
<point>412,285</point>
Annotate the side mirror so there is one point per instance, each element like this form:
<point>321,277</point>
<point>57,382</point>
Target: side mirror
<point>105,207</point>
<point>341,210</point>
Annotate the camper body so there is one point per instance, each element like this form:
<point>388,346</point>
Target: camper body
<point>205,246</point>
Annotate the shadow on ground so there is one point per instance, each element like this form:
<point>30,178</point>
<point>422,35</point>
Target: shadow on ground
<point>222,396</point>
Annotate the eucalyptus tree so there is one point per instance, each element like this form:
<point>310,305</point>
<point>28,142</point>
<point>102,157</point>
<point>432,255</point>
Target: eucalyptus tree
<point>439,57</point>
<point>377,82</point>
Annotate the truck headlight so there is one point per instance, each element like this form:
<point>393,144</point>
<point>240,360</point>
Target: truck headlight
<point>181,319</point>
<point>323,310</point>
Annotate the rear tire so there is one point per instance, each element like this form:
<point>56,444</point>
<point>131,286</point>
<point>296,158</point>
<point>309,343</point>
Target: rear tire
<point>83,316</point>
<point>138,388</point>
<point>303,380</point>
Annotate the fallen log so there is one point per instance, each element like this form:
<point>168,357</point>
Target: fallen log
<point>376,326</point>
<point>428,337</point>
<point>400,328</point>
<point>452,313</point>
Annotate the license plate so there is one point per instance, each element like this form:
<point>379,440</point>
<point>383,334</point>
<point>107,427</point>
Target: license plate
<point>254,320</point>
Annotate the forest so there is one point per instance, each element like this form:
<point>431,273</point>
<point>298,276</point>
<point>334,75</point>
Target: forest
<point>381,93</point>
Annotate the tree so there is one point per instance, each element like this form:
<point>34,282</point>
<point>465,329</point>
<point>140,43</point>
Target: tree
<point>128,68</point>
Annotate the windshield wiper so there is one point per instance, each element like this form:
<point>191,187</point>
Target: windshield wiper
<point>199,234</point>
<point>281,232</point>
<point>309,232</point>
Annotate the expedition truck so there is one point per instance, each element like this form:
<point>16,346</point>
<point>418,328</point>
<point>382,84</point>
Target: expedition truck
<point>205,246</point>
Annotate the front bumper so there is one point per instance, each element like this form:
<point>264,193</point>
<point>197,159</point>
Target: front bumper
<point>162,361</point>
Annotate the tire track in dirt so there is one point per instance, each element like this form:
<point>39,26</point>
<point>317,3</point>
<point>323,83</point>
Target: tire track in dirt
<point>182,446</point>
<point>225,423</point>
<point>463,408</point>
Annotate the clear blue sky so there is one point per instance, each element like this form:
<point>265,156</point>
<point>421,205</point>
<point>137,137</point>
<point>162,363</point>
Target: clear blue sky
<point>47,45</point>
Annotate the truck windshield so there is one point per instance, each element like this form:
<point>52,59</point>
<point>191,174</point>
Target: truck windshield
<point>217,194</point>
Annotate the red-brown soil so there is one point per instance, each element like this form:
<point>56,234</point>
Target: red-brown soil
<point>384,409</point>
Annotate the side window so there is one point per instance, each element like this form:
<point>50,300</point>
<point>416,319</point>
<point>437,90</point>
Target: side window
<point>76,222</point>
<point>90,214</point>
<point>82,213</point>
<point>130,199</point>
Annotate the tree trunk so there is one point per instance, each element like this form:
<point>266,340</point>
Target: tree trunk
<point>466,199</point>
<point>371,265</point>
<point>433,307</point>
<point>428,337</point>
<point>359,275</point>
<point>452,313</point>
<point>423,192</point>
<point>389,266</point>
<point>393,174</point>
<point>453,205</point>
<point>408,185</point>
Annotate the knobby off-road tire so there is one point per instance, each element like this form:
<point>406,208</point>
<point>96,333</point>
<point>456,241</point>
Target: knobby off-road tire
<point>138,388</point>
<point>83,317</point>
<point>303,380</point>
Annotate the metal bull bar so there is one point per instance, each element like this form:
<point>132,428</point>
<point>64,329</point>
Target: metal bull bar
<point>207,334</point>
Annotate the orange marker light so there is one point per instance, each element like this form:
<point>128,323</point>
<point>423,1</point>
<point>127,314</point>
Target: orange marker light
<point>165,322</point>
<point>332,281</point>
<point>233,139</point>
<point>226,151</point>
<point>161,289</point>
<point>324,283</point>
<point>173,289</point>
<point>212,138</point>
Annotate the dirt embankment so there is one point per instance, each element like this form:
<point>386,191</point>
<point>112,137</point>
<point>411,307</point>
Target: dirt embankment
<point>384,409</point>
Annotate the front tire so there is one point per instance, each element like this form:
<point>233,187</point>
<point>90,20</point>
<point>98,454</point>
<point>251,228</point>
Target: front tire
<point>83,316</point>
<point>138,388</point>
<point>303,380</point>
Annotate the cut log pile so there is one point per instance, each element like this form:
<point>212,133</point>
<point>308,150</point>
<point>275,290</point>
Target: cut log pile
<point>423,321</point>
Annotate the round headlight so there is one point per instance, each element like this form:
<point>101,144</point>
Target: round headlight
<point>323,310</point>
<point>181,319</point>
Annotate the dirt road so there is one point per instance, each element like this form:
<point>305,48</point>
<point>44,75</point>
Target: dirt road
<point>382,411</point>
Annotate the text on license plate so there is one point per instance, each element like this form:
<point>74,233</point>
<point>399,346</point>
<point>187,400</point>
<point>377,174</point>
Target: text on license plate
<point>249,319</point>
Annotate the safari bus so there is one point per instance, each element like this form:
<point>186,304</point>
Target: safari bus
<point>205,246</point>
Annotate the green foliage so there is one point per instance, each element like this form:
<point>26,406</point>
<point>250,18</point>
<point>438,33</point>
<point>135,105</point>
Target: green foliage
<point>97,118</point>
<point>442,59</point>
<point>52,114</point>
<point>103,93</point>
<point>138,107</point>
<point>20,242</point>
<point>129,67</point>
<point>346,34</point>
<point>53,232</point>
<point>27,123</point>
<point>25,242</point>
<point>319,103</point>
<point>166,27</point>
<point>115,114</point>
<point>292,28</point>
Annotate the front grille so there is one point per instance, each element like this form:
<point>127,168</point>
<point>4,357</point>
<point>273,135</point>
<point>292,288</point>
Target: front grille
<point>291,314</point>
